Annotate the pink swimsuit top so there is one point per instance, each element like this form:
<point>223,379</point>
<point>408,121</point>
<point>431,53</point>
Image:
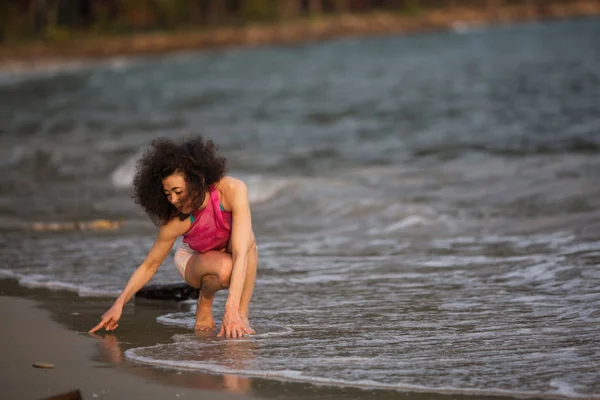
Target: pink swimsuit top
<point>211,226</point>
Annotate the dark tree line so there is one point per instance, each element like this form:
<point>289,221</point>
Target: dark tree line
<point>56,18</point>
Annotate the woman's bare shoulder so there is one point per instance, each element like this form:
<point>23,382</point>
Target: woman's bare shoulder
<point>230,188</point>
<point>230,183</point>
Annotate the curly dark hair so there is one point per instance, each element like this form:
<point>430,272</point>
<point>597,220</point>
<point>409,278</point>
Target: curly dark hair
<point>195,158</point>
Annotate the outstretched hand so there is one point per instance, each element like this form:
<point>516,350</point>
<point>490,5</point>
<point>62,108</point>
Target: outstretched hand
<point>233,326</point>
<point>110,319</point>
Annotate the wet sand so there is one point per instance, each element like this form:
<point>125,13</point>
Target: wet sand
<point>29,336</point>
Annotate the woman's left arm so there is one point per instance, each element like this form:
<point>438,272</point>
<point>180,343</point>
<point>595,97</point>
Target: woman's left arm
<point>241,240</point>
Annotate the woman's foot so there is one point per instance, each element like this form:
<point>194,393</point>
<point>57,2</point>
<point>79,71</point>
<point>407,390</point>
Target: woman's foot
<point>204,316</point>
<point>246,324</point>
<point>205,324</point>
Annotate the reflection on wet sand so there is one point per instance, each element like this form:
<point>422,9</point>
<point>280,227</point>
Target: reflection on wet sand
<point>234,354</point>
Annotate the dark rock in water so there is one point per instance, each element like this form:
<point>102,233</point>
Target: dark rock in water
<point>168,291</point>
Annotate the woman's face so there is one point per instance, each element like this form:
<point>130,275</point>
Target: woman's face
<point>175,189</point>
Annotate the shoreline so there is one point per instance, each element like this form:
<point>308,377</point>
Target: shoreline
<point>88,48</point>
<point>51,326</point>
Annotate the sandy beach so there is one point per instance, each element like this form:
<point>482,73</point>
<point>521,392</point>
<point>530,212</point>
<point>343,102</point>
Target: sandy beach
<point>31,336</point>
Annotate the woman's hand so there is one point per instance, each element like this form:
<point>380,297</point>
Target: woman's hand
<point>233,326</point>
<point>110,319</point>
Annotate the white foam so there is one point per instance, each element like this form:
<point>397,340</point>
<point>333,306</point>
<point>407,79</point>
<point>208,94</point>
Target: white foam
<point>553,240</point>
<point>542,271</point>
<point>530,299</point>
<point>89,292</point>
<point>408,222</point>
<point>41,281</point>
<point>324,278</point>
<point>187,320</point>
<point>9,274</point>
<point>581,248</point>
<point>45,282</point>
<point>122,176</point>
<point>285,330</point>
<point>131,355</point>
<point>453,261</point>
<point>183,319</point>
<point>564,389</point>
<point>16,72</point>
<point>262,188</point>
<point>459,306</point>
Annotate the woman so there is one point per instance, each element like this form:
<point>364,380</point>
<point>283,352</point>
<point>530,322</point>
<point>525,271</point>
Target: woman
<point>184,190</point>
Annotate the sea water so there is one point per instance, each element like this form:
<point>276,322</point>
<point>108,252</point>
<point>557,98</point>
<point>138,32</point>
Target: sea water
<point>427,208</point>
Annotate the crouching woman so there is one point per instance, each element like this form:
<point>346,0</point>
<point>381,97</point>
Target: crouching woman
<point>185,191</point>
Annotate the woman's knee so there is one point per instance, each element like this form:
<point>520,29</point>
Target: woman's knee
<point>224,272</point>
<point>210,281</point>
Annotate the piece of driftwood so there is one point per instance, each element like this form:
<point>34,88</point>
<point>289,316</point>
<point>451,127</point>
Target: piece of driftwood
<point>168,291</point>
<point>95,225</point>
<point>74,395</point>
<point>43,364</point>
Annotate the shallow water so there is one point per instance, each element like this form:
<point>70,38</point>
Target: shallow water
<point>427,208</point>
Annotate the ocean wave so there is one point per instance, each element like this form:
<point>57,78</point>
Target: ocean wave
<point>261,188</point>
<point>122,176</point>
<point>18,72</point>
<point>46,282</point>
<point>552,240</point>
<point>577,145</point>
<point>38,281</point>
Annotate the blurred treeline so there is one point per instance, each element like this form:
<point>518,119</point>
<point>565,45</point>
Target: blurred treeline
<point>61,19</point>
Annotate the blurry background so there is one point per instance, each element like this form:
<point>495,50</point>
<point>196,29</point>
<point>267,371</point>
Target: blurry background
<point>105,27</point>
<point>427,206</point>
<point>56,18</point>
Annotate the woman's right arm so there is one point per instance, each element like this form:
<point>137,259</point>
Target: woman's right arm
<point>142,275</point>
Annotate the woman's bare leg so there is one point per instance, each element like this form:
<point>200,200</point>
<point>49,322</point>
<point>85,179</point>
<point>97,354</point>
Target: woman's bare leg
<point>249,286</point>
<point>210,272</point>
